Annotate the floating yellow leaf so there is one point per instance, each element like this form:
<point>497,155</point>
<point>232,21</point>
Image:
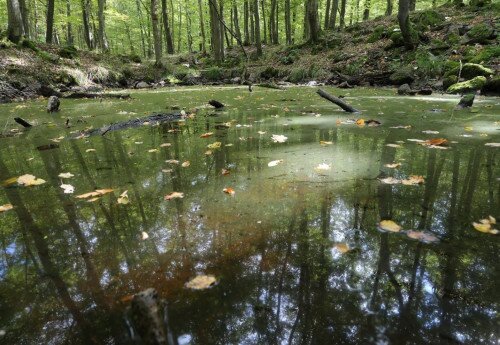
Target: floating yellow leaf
<point>206,135</point>
<point>208,152</point>
<point>485,225</point>
<point>186,164</point>
<point>153,150</point>
<point>165,145</point>
<point>393,166</point>
<point>229,190</point>
<point>9,181</point>
<point>389,225</point>
<point>29,180</point>
<point>323,167</point>
<point>390,180</point>
<point>396,146</point>
<point>225,172</point>
<point>215,145</point>
<point>261,132</point>
<point>413,180</point>
<point>96,193</point>
<point>172,161</point>
<point>201,282</point>
<point>492,144</point>
<point>90,150</point>
<point>6,207</point>
<point>342,247</point>
<point>174,195</point>
<point>123,199</point>
<point>144,235</point>
<point>326,142</point>
<point>274,163</point>
<point>66,175</point>
<point>166,170</point>
<point>278,138</point>
<point>68,189</point>
<point>57,140</point>
<point>469,129</point>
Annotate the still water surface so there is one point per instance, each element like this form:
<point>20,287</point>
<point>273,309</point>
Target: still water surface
<point>296,251</point>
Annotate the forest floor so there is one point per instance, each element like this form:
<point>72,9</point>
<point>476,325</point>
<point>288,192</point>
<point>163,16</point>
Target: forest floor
<point>368,53</point>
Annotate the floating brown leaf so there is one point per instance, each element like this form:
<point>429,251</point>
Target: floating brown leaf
<point>96,193</point>
<point>201,282</point>
<point>422,236</point>
<point>29,180</point>
<point>174,195</point>
<point>389,225</point>
<point>229,190</point>
<point>6,207</point>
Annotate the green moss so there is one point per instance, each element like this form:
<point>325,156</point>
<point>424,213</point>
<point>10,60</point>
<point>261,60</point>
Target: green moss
<point>269,73</point>
<point>467,86</point>
<point>403,75</point>
<point>68,52</point>
<point>449,81</point>
<point>427,18</point>
<point>297,75</point>
<point>470,70</point>
<point>492,86</point>
<point>377,34</point>
<point>29,44</point>
<point>213,74</point>
<point>486,54</point>
<point>397,39</point>
<point>48,57</point>
<point>481,33</point>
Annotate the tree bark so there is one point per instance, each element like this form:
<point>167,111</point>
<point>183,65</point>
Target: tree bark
<point>156,32</point>
<point>103,44</point>
<point>288,22</point>
<point>216,32</point>
<point>388,10</point>
<point>327,13</point>
<point>404,23</point>
<point>86,25</point>
<point>413,4</point>
<point>50,22</point>
<point>15,29</point>
<point>202,29</point>
<point>366,12</point>
<point>342,14</point>
<point>236,20</point>
<point>312,19</point>
<point>333,15</point>
<point>69,27</point>
<point>167,31</point>
<point>274,23</point>
<point>337,101</point>
<point>257,28</point>
<point>25,16</point>
<point>246,28</point>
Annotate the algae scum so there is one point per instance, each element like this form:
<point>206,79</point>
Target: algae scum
<point>257,224</point>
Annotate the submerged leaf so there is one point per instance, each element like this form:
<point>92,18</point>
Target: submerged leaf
<point>390,180</point>
<point>393,166</point>
<point>206,135</point>
<point>201,282</point>
<point>229,190</point>
<point>29,180</point>
<point>68,189</point>
<point>396,146</point>
<point>225,172</point>
<point>174,195</point>
<point>9,181</point>
<point>413,180</point>
<point>323,167</point>
<point>278,138</point>
<point>66,175</point>
<point>342,247</point>
<point>422,236</point>
<point>389,225</point>
<point>274,163</point>
<point>96,193</point>
<point>123,199</point>
<point>144,235</point>
<point>492,144</point>
<point>326,142</point>
<point>186,164</point>
<point>215,145</point>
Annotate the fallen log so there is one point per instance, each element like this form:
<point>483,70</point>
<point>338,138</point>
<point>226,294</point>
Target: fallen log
<point>152,119</point>
<point>337,101</point>
<point>23,123</point>
<point>79,95</point>
<point>216,104</point>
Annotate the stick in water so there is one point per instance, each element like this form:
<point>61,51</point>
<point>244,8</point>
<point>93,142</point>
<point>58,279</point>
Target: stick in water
<point>337,101</point>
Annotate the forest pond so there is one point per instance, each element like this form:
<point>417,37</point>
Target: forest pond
<point>279,201</point>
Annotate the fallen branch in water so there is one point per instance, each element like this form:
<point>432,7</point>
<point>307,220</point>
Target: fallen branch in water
<point>23,123</point>
<point>337,101</point>
<point>79,95</point>
<point>216,104</point>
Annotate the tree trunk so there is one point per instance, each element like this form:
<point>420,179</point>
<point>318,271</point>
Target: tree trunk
<point>263,9</point>
<point>166,27</point>
<point>156,32</point>
<point>327,13</point>
<point>288,23</point>
<point>216,32</point>
<point>69,27</point>
<point>413,4</point>
<point>86,25</point>
<point>179,37</point>
<point>236,19</point>
<point>388,10</point>
<point>25,16</point>
<point>257,28</point>
<point>103,44</point>
<point>188,27</point>
<point>366,12</point>
<point>246,28</point>
<point>312,19</point>
<point>15,29</point>
<point>404,23</point>
<point>342,14</point>
<point>50,22</point>
<point>202,29</point>
<point>252,21</point>
<point>333,15</point>
<point>273,28</point>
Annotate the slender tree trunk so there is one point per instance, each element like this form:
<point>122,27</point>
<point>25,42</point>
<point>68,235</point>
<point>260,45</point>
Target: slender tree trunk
<point>252,21</point>
<point>288,23</point>
<point>103,43</point>
<point>273,21</point>
<point>188,27</point>
<point>404,23</point>
<point>202,29</point>
<point>25,15</point>
<point>50,22</point>
<point>166,26</point>
<point>15,29</point>
<point>342,14</point>
<point>86,25</point>
<point>312,19</point>
<point>69,27</point>
<point>327,13</point>
<point>179,36</point>
<point>366,12</point>
<point>216,32</point>
<point>246,28</point>
<point>258,43</point>
<point>333,14</point>
<point>156,32</point>
<point>388,10</point>
<point>263,18</point>
<point>413,4</point>
<point>236,19</point>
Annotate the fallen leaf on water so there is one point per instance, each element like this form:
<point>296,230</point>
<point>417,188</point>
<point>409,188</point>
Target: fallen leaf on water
<point>390,180</point>
<point>165,145</point>
<point>430,132</point>
<point>413,180</point>
<point>68,189</point>
<point>396,146</point>
<point>342,247</point>
<point>174,195</point>
<point>96,193</point>
<point>389,225</point>
<point>393,165</point>
<point>468,129</point>
<point>326,142</point>
<point>492,144</point>
<point>153,150</point>
<point>123,199</point>
<point>228,145</point>
<point>278,138</point>
<point>206,135</point>
<point>144,235</point>
<point>416,140</point>
<point>422,236</point>
<point>274,163</point>
<point>261,132</point>
<point>29,180</point>
<point>225,172</point>
<point>208,152</point>
<point>400,127</point>
<point>166,170</point>
<point>360,122</point>
<point>186,164</point>
<point>435,142</point>
<point>66,175</point>
<point>6,207</point>
<point>201,282</point>
<point>485,225</point>
<point>172,161</point>
<point>215,146</point>
<point>138,142</point>
<point>126,299</point>
<point>373,123</point>
<point>323,167</point>
<point>229,190</point>
<point>90,150</point>
<point>57,140</point>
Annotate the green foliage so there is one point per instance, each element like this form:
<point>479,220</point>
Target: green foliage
<point>290,57</point>
<point>29,45</point>
<point>424,19</point>
<point>449,80</point>
<point>470,70</point>
<point>397,39</point>
<point>428,65</point>
<point>298,75</point>
<point>492,86</point>
<point>213,74</point>
<point>403,75</point>
<point>49,57</point>
<point>377,34</point>
<point>354,67</point>
<point>485,54</point>
<point>481,33</point>
<point>68,52</point>
<point>269,73</point>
